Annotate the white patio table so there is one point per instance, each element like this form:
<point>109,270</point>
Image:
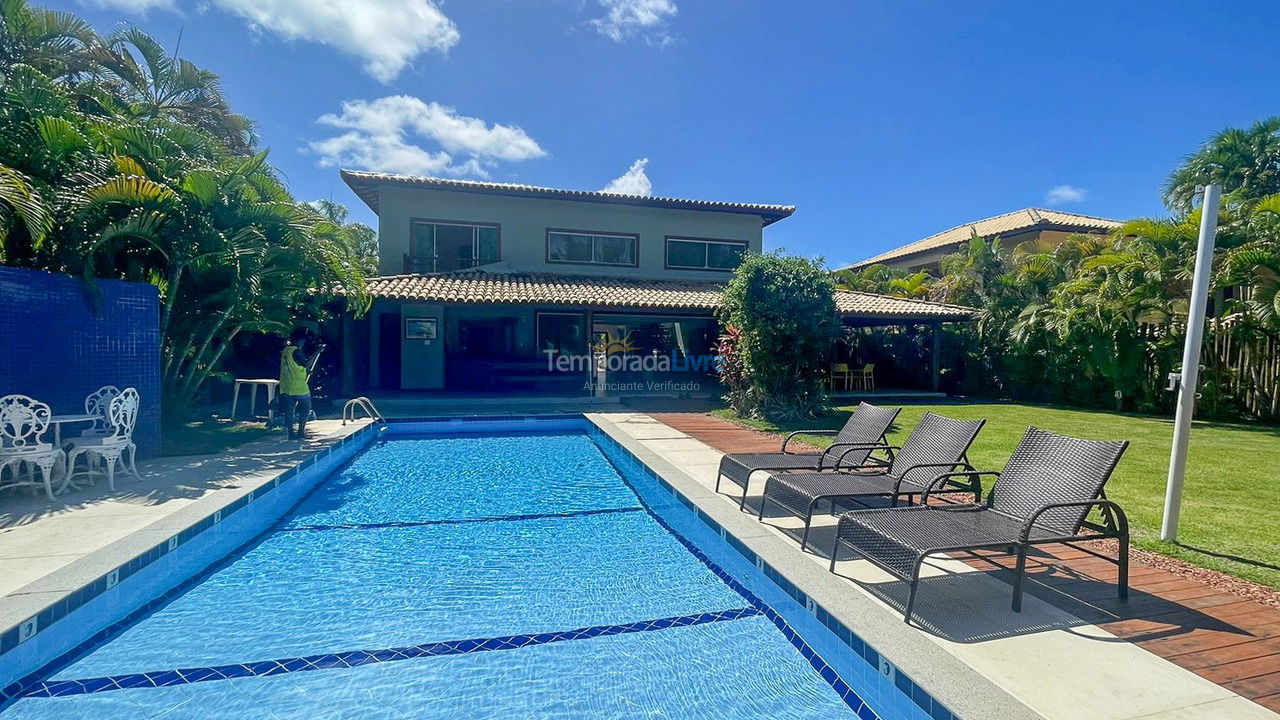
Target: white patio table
<point>57,421</point>
<point>253,384</point>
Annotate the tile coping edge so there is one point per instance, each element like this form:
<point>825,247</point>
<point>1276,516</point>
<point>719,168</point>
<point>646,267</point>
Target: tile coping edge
<point>964,691</point>
<point>57,586</point>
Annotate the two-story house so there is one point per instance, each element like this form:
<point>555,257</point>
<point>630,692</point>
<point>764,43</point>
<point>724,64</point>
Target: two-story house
<point>484,286</point>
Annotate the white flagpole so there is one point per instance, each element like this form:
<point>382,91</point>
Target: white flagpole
<point>1188,379</point>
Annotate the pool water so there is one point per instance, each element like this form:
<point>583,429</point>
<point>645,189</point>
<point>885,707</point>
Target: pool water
<point>499,575</point>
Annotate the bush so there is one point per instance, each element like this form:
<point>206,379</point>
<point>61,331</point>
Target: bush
<point>780,319</point>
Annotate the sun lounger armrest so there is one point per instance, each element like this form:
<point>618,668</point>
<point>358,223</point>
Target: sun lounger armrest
<point>974,475</point>
<point>848,447</point>
<point>787,439</point>
<point>870,462</point>
<point>1115,512</point>
<point>965,467</point>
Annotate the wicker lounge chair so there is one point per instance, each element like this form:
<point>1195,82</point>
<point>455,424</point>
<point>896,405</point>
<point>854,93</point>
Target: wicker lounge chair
<point>936,446</point>
<point>1044,495</point>
<point>862,432</point>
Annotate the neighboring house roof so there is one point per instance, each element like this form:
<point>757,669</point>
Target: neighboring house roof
<point>1019,221</point>
<point>602,291</point>
<point>366,184</point>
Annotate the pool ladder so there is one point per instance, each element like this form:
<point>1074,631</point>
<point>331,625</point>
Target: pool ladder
<point>361,403</point>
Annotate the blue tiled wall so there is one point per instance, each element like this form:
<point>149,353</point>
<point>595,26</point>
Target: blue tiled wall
<point>57,345</point>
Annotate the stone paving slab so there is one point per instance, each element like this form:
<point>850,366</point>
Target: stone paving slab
<point>38,537</point>
<point>1052,660</point>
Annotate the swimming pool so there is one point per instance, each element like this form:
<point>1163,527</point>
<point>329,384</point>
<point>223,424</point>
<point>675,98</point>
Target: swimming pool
<point>493,574</point>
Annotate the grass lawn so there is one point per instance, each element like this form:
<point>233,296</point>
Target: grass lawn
<point>206,437</point>
<point>1231,499</point>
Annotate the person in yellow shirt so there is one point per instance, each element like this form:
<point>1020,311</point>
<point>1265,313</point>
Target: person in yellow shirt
<point>295,391</point>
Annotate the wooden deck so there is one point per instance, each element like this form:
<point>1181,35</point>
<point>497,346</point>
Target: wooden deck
<point>1226,638</point>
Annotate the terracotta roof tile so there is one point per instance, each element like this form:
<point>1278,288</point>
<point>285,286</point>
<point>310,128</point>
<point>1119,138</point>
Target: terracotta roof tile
<point>862,304</point>
<point>1013,222</point>
<point>366,184</point>
<point>601,291</point>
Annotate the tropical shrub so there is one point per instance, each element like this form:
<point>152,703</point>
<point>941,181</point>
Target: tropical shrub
<point>783,312</point>
<point>1101,320</point>
<point>120,160</point>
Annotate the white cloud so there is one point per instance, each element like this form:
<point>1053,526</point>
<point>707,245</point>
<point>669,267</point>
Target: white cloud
<point>386,34</point>
<point>647,19</point>
<point>1062,194</point>
<point>632,182</point>
<point>385,135</point>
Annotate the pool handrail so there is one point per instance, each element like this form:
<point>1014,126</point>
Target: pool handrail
<point>361,403</point>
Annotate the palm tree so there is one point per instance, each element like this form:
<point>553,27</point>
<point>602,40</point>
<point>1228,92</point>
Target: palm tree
<point>151,85</point>
<point>53,43</point>
<point>1255,265</point>
<point>360,238</point>
<point>972,274</point>
<point>1044,265</point>
<point>21,205</point>
<point>873,278</point>
<point>119,160</point>
<point>916,286</point>
<point>1246,162</point>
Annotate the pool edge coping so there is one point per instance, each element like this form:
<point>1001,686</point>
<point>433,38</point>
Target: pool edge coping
<point>957,683</point>
<point>35,607</point>
<point>964,691</point>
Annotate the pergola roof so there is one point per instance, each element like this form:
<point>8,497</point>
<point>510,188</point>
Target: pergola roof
<point>475,287</point>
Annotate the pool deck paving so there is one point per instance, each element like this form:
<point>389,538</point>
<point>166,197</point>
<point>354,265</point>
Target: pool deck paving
<point>1176,648</point>
<point>39,537</point>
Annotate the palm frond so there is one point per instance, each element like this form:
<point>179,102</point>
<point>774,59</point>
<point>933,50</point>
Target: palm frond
<point>130,190</point>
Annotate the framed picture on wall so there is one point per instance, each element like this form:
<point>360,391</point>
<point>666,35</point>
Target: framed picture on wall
<point>420,328</point>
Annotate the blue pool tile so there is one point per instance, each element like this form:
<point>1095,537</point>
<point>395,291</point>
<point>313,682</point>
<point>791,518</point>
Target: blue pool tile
<point>903,682</point>
<point>854,642</point>
<point>467,647</point>
<point>921,698</point>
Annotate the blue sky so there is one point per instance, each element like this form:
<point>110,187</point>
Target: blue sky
<point>882,121</point>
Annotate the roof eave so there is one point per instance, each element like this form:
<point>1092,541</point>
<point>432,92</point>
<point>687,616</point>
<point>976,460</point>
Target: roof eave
<point>367,188</point>
<point>953,246</point>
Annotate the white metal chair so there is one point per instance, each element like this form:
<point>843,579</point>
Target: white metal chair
<point>22,421</point>
<point>122,414</point>
<point>98,404</point>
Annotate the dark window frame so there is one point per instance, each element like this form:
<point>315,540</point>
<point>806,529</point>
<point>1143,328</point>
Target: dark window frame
<point>635,240</point>
<point>537,327</point>
<point>666,245</point>
<point>411,257</point>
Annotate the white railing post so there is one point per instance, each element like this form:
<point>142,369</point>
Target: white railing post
<point>1188,380</point>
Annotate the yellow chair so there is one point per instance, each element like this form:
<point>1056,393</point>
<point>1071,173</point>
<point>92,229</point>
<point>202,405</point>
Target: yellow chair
<point>841,371</point>
<point>866,377</point>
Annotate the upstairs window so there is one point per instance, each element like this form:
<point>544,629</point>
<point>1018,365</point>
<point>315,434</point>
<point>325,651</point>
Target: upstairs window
<point>442,246</point>
<point>591,248</point>
<point>703,254</point>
